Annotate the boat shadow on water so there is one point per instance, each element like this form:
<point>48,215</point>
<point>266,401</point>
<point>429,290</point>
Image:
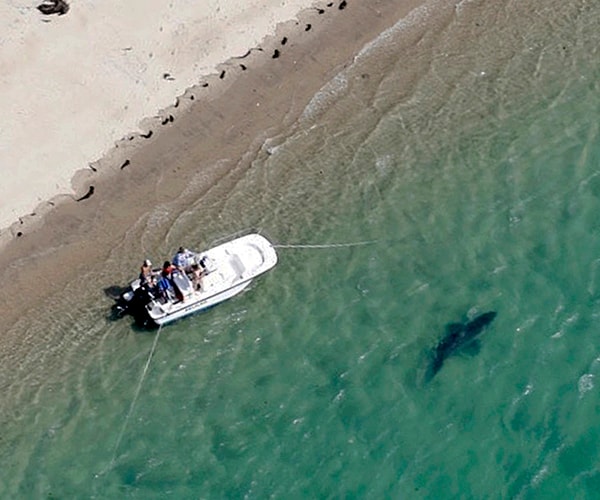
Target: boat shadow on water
<point>115,292</point>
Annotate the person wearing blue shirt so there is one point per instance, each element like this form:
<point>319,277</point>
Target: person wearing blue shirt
<point>183,259</point>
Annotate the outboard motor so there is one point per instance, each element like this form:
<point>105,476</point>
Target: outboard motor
<point>133,302</point>
<point>141,297</point>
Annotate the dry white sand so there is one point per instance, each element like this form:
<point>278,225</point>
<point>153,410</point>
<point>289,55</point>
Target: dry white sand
<point>73,85</point>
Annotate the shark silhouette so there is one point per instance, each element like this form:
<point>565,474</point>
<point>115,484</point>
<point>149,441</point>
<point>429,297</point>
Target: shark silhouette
<point>457,336</point>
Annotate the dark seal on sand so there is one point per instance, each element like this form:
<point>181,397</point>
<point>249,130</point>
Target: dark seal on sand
<point>49,7</point>
<point>87,195</point>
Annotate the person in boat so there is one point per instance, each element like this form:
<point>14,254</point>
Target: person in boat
<point>165,285</point>
<point>167,269</point>
<point>183,259</point>
<point>146,276</point>
<point>197,274</point>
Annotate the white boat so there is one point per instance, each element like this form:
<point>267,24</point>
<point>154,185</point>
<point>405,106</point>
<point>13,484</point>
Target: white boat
<point>228,269</point>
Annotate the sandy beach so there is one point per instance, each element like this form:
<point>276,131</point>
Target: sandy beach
<point>232,82</point>
<point>75,84</point>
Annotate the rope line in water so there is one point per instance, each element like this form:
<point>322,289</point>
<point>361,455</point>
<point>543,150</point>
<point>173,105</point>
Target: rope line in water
<point>135,397</point>
<point>330,245</point>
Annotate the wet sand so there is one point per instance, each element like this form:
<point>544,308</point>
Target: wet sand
<point>77,80</point>
<point>214,129</point>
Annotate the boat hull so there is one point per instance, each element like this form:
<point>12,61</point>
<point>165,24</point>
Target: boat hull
<point>159,317</point>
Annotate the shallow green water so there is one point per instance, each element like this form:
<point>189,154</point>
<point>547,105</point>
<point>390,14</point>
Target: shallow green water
<point>468,157</point>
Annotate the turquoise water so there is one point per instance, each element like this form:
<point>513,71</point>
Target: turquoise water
<point>466,158</point>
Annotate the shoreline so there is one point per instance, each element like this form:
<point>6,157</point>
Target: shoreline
<point>218,130</point>
<point>71,104</point>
